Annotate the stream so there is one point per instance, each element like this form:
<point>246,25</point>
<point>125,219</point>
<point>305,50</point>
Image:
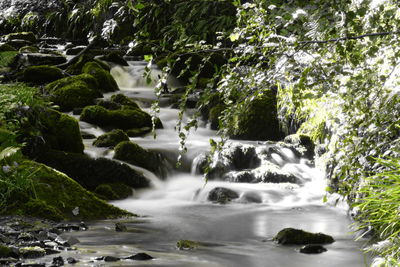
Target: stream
<point>236,234</point>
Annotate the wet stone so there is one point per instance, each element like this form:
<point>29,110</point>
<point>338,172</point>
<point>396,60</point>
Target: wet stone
<point>71,260</point>
<point>120,227</point>
<point>312,249</point>
<point>111,259</point>
<point>30,265</point>
<point>32,252</point>
<point>58,261</point>
<point>222,195</point>
<point>140,257</point>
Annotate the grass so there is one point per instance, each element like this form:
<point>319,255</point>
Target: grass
<point>379,207</point>
<point>6,58</point>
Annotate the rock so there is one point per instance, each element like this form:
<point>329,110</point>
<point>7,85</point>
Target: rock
<point>222,195</point>
<point>240,177</point>
<point>110,259</point>
<point>71,260</point>
<point>74,92</point>
<point>60,131</point>
<point>123,100</point>
<point>115,58</point>
<point>26,36</point>
<point>36,59</point>
<point>251,197</point>
<point>291,236</point>
<point>4,239</point>
<point>121,119</point>
<point>312,249</point>
<point>76,68</point>
<point>5,251</point>
<point>31,265</point>
<point>32,252</point>
<point>134,154</point>
<point>187,245</point>
<point>66,241</point>
<point>140,257</point>
<point>111,139</point>
<point>258,121</point>
<point>6,48</point>
<point>17,43</point>
<point>214,114</point>
<point>105,80</point>
<point>138,131</point>
<point>303,144</point>
<point>29,49</point>
<point>271,173</point>
<point>60,193</point>
<point>90,172</point>
<point>41,74</point>
<point>120,227</point>
<point>113,191</point>
<point>58,261</point>
<point>74,50</point>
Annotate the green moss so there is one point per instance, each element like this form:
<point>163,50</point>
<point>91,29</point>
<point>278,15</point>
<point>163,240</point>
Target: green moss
<point>104,78</point>
<point>114,191</point>
<point>111,139</point>
<point>64,194</point>
<point>124,101</point>
<point>40,209</point>
<point>214,114</point>
<point>7,48</point>
<point>291,236</point>
<point>42,74</point>
<point>134,154</point>
<point>6,58</point>
<point>74,92</point>
<point>61,131</point>
<point>138,131</point>
<point>29,49</point>
<point>121,119</point>
<point>76,68</point>
<point>27,36</point>
<point>258,120</point>
<point>187,245</point>
<point>5,251</point>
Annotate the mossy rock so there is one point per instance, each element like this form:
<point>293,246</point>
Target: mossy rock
<point>74,92</point>
<point>111,139</point>
<point>291,236</point>
<point>258,121</point>
<point>76,68</point>
<point>40,209</point>
<point>222,195</point>
<point>214,114</point>
<point>115,58</point>
<point>92,172</point>
<point>61,131</point>
<point>60,195</point>
<point>7,48</point>
<point>120,119</point>
<point>103,77</point>
<point>29,49</point>
<point>187,245</point>
<point>42,74</point>
<point>303,143</point>
<point>138,131</point>
<point>114,191</point>
<point>134,154</point>
<point>5,251</point>
<point>26,36</point>
<point>124,101</point>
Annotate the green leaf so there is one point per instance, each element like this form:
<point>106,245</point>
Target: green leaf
<point>234,37</point>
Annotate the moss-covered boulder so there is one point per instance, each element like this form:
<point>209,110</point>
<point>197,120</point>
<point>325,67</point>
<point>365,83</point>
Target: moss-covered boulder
<point>114,191</point>
<point>138,131</point>
<point>258,121</point>
<point>115,57</point>
<point>6,48</point>
<point>26,36</point>
<point>90,172</point>
<point>76,68</point>
<point>38,59</point>
<point>222,195</point>
<point>134,154</point>
<point>5,251</point>
<point>61,131</point>
<point>126,118</point>
<point>111,139</point>
<point>56,196</point>
<point>214,114</point>
<point>123,100</point>
<point>41,74</point>
<point>74,92</point>
<point>291,236</point>
<point>29,49</point>
<point>104,78</point>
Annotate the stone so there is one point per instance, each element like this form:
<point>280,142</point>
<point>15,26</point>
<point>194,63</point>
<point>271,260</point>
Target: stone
<point>58,261</point>
<point>187,245</point>
<point>222,195</point>
<point>113,191</point>
<point>111,259</point>
<point>303,143</point>
<point>7,48</point>
<point>114,57</point>
<point>29,49</point>
<point>120,227</point>
<point>312,249</point>
<point>41,74</point>
<point>71,260</point>
<point>258,121</point>
<point>105,80</point>
<point>36,59</point>
<point>140,257</point>
<point>32,252</point>
<point>291,236</point>
<point>271,173</point>
<point>74,92</point>
<point>74,50</point>
<point>111,139</point>
<point>5,251</point>
<point>26,36</point>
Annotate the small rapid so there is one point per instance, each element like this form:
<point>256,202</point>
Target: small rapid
<point>238,233</point>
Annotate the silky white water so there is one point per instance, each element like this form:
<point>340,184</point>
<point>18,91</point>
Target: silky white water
<point>236,234</point>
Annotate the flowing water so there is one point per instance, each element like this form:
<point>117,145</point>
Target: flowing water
<point>236,234</point>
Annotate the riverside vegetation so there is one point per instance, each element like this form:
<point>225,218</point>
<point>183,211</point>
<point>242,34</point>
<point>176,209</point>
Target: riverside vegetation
<point>261,70</point>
